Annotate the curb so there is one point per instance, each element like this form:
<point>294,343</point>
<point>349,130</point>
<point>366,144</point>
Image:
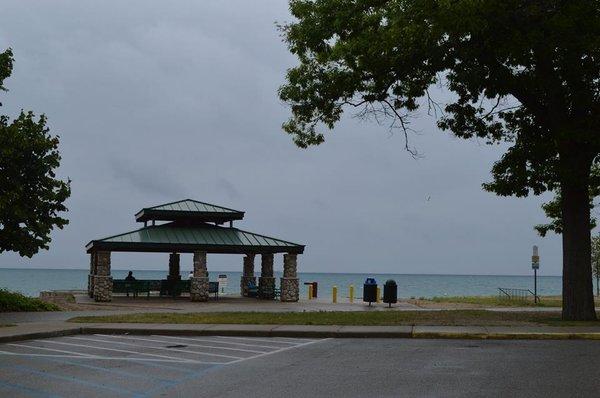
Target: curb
<point>302,334</point>
<point>219,332</point>
<point>40,335</point>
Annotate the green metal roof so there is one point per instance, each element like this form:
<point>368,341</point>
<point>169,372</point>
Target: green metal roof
<point>189,209</point>
<point>173,237</point>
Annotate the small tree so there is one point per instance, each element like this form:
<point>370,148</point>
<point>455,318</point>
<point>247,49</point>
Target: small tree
<point>30,196</point>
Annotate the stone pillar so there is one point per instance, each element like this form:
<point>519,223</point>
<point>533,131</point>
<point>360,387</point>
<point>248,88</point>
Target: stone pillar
<point>266,280</point>
<point>102,279</point>
<point>290,286</point>
<point>174,268</point>
<point>92,274</point>
<point>248,275</point>
<point>199,282</point>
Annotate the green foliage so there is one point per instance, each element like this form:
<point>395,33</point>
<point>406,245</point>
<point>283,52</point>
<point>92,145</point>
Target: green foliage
<point>31,197</point>
<point>6,64</point>
<point>13,301</point>
<point>525,72</point>
<point>553,210</point>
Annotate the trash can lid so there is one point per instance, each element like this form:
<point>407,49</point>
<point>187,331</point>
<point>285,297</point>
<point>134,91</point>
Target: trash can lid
<point>390,282</point>
<point>370,281</point>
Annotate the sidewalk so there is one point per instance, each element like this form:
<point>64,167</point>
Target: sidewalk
<point>37,330</point>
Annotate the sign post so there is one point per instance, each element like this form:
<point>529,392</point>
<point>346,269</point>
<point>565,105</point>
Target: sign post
<point>535,265</point>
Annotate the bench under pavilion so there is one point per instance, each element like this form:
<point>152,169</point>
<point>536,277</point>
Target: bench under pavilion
<point>190,226</point>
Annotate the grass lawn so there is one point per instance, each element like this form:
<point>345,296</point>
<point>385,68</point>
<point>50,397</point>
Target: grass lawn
<point>450,317</point>
<point>495,301</point>
<point>13,301</point>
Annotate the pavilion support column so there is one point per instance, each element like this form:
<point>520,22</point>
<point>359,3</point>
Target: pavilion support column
<point>92,274</point>
<point>290,287</point>
<point>248,275</point>
<point>199,282</point>
<point>266,282</point>
<point>174,268</point>
<point>103,282</point>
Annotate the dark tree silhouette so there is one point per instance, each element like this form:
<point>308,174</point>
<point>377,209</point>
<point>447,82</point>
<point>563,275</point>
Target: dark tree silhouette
<point>523,72</point>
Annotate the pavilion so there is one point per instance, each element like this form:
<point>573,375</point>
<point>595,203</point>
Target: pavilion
<point>190,226</point>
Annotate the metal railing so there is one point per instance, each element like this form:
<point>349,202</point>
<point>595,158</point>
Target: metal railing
<point>516,294</point>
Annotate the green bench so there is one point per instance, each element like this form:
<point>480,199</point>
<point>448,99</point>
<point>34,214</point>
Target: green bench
<point>136,287</point>
<point>268,293</point>
<point>163,287</point>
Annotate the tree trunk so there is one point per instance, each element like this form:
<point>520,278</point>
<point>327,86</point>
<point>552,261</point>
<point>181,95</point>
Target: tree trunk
<point>598,285</point>
<point>578,289</point>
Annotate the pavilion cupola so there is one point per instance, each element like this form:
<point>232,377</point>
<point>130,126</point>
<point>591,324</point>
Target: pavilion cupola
<point>189,211</point>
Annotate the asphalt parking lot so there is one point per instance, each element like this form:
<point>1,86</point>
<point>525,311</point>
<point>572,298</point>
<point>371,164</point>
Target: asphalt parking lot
<point>173,366</point>
<point>118,365</point>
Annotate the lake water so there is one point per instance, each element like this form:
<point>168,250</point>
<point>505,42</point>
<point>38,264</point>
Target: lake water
<point>32,281</point>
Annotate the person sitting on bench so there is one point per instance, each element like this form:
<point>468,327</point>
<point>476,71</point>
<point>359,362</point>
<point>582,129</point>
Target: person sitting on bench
<point>130,278</point>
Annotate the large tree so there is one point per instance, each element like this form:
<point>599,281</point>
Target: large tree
<point>31,197</point>
<point>517,71</point>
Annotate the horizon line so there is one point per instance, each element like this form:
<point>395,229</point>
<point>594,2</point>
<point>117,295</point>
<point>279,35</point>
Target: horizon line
<point>300,272</point>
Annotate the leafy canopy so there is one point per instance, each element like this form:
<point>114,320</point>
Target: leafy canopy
<point>525,72</point>
<point>31,197</point>
<point>553,210</point>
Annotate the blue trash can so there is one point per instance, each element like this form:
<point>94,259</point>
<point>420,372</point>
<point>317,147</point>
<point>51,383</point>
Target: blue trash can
<point>370,291</point>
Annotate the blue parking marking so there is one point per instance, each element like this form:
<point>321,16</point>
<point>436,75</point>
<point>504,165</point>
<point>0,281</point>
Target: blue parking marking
<point>49,375</point>
<point>103,369</point>
<point>194,375</point>
<point>28,390</point>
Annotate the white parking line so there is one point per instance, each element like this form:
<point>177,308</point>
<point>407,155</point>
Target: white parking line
<point>264,340</point>
<point>173,342</point>
<point>127,351</point>
<point>226,342</point>
<point>47,349</point>
<point>157,348</point>
<point>143,356</point>
<point>277,351</point>
<point>26,354</point>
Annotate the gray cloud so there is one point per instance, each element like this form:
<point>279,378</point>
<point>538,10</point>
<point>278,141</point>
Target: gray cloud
<point>157,101</point>
<point>147,177</point>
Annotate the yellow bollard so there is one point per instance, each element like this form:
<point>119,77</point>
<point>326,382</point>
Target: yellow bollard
<point>378,294</point>
<point>334,293</point>
<point>310,292</point>
<point>351,291</point>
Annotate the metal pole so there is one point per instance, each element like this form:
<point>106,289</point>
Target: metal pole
<point>535,264</point>
<point>535,297</point>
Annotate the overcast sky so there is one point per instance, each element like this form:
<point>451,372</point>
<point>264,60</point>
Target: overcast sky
<point>160,101</point>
